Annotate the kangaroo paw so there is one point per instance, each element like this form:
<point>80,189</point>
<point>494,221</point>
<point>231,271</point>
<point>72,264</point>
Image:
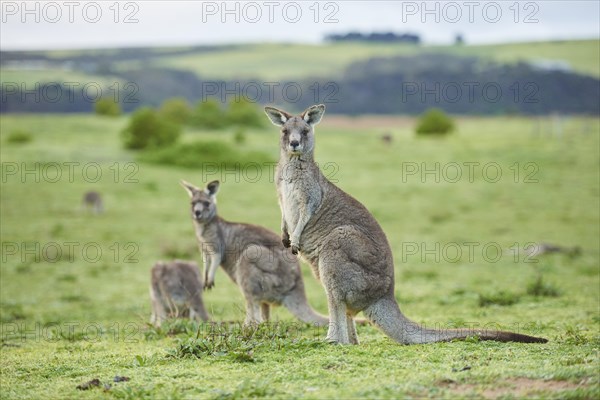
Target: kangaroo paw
<point>332,340</point>
<point>286,242</point>
<point>295,249</point>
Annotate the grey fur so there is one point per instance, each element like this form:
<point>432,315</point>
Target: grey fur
<point>92,201</point>
<point>176,291</point>
<point>253,257</point>
<point>345,246</point>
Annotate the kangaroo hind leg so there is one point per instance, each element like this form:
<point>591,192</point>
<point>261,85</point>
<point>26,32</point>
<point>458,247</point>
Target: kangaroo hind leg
<point>352,336</point>
<point>338,322</point>
<point>265,311</point>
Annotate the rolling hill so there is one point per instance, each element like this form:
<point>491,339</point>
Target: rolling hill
<point>159,73</point>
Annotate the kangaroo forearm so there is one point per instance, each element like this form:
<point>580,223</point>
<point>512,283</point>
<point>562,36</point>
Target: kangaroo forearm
<point>212,268</point>
<point>284,227</point>
<point>285,235</point>
<point>295,238</point>
<point>205,264</point>
<point>298,232</point>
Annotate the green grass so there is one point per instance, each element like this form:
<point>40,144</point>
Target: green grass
<point>582,56</point>
<point>56,75</point>
<point>68,321</point>
<point>295,61</point>
<point>201,153</point>
<point>18,137</point>
<point>282,61</point>
<point>541,288</point>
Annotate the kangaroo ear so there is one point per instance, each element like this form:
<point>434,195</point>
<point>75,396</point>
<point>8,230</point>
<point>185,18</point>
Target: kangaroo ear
<point>312,115</point>
<point>191,189</point>
<point>212,188</point>
<point>277,117</point>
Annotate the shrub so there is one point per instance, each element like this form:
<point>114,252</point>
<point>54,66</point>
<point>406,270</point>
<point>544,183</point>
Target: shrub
<point>435,122</point>
<point>176,109</point>
<point>172,251</point>
<point>208,114</point>
<point>244,113</point>
<point>500,298</point>
<point>201,153</point>
<point>12,311</point>
<point>239,137</point>
<point>147,129</point>
<point>540,288</point>
<point>107,106</point>
<point>19,137</point>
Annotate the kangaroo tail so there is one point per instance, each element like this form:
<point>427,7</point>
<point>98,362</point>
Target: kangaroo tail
<point>298,305</point>
<point>386,315</point>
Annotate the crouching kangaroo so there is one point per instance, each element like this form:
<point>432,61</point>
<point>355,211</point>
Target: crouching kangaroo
<point>253,257</point>
<point>343,243</point>
<point>176,291</point>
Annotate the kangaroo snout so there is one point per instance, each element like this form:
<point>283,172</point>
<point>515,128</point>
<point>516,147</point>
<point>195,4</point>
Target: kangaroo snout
<point>197,213</point>
<point>294,144</point>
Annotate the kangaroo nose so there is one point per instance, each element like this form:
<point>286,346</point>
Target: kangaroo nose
<point>294,143</point>
<point>197,213</point>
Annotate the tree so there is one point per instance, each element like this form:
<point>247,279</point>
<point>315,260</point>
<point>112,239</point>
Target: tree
<point>208,114</point>
<point>435,122</point>
<point>107,106</point>
<point>176,109</point>
<point>147,129</point>
<point>459,39</point>
<point>243,112</point>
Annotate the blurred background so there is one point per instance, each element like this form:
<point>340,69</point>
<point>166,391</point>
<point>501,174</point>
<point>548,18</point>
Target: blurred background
<point>394,58</point>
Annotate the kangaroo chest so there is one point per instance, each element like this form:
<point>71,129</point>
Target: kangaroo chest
<point>299,192</point>
<point>293,200</point>
<point>210,240</point>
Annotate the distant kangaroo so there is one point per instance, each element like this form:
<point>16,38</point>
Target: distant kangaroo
<point>176,291</point>
<point>252,256</point>
<point>343,243</point>
<point>92,200</point>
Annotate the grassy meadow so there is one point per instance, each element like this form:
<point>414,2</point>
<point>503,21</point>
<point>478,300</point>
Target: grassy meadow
<point>297,61</point>
<point>280,61</point>
<point>457,211</point>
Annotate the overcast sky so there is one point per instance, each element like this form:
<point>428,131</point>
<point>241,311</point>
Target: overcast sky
<point>83,24</point>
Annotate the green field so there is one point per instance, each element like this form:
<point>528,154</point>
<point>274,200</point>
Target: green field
<point>70,318</point>
<point>297,61</point>
<point>54,75</point>
<point>282,61</point>
<point>582,56</point>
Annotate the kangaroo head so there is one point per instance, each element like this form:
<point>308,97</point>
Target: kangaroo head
<point>297,133</point>
<point>204,201</point>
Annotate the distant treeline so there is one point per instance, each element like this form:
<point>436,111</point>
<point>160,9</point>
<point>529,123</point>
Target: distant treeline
<point>463,85</point>
<point>96,57</point>
<point>383,37</point>
<point>396,85</point>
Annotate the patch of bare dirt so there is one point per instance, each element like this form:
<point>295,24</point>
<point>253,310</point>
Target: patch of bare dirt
<point>518,387</point>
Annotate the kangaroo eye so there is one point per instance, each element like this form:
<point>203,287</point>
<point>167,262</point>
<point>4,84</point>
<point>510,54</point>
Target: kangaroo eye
<point>285,131</point>
<point>305,131</point>
<point>205,203</point>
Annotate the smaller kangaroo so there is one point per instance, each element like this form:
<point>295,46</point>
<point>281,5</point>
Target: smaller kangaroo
<point>176,291</point>
<point>345,246</point>
<point>92,201</point>
<point>252,256</point>
<point>387,138</point>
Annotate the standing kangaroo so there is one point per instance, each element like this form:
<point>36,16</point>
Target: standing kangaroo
<point>176,291</point>
<point>253,257</point>
<point>92,201</point>
<point>343,243</point>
